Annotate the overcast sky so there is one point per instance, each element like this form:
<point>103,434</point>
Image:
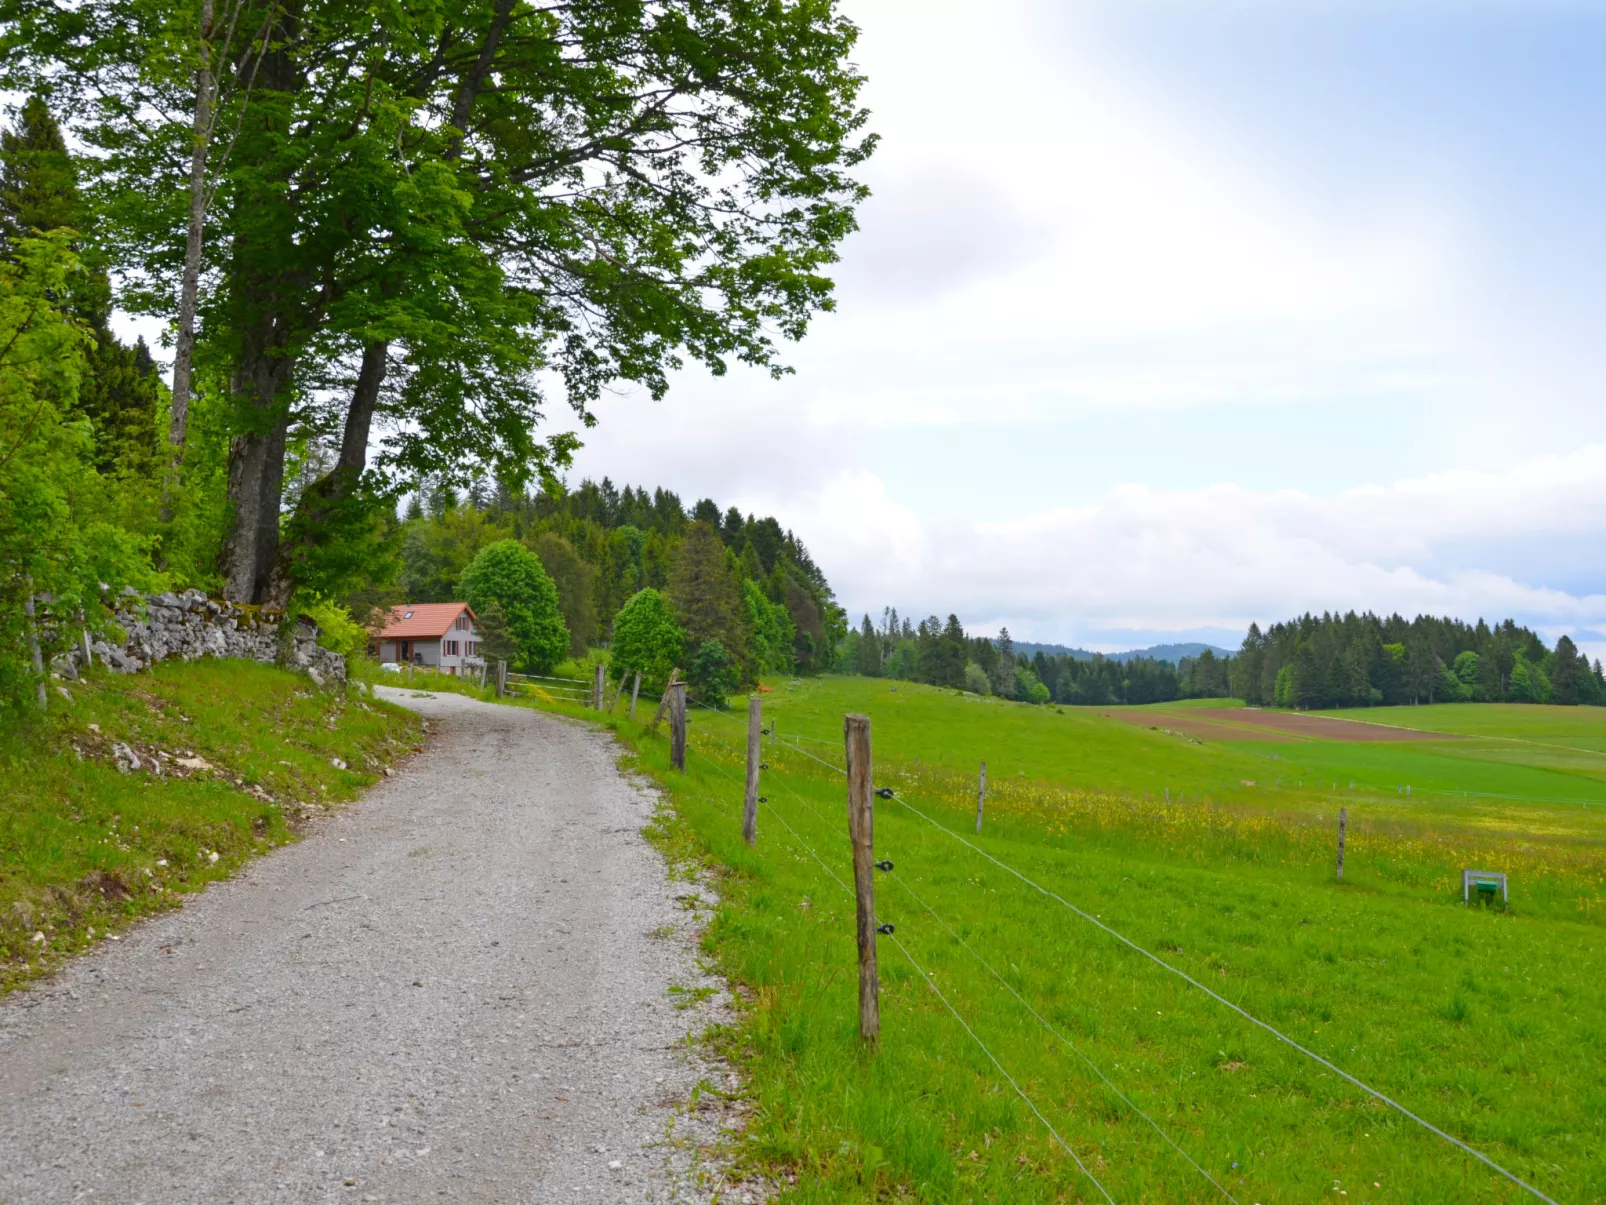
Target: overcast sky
<point>1167,317</point>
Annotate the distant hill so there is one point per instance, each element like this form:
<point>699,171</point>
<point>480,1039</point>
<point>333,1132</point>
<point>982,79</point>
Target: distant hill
<point>1160,652</point>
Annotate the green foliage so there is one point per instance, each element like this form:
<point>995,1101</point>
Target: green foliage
<point>58,535</point>
<point>576,585</point>
<point>511,575</point>
<point>1528,682</point>
<point>773,637</point>
<point>1363,660</point>
<point>469,223</point>
<point>704,595</point>
<point>337,630</point>
<point>495,637</point>
<point>38,184</point>
<point>1029,688</point>
<point>976,680</point>
<point>646,638</point>
<point>712,674</point>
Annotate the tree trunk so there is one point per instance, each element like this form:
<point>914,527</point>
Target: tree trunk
<point>277,312</point>
<point>184,350</point>
<point>311,525</point>
<point>256,462</point>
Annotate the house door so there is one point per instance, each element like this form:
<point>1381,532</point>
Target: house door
<point>407,650</point>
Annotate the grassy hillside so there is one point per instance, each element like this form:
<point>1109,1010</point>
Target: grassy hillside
<point>1489,1023</point>
<point>234,756</point>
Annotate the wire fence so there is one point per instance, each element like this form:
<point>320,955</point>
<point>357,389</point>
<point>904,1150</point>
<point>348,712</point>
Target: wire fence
<point>778,777</point>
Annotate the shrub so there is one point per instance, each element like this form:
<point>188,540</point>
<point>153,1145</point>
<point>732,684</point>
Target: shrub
<point>712,674</point>
<point>976,680</point>
<point>337,630</point>
<point>646,638</point>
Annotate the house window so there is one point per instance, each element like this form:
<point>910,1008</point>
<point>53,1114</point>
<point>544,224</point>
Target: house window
<point>451,648</point>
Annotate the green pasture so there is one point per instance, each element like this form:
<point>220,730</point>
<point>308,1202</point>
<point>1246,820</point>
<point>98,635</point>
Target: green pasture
<point>1489,1023</point>
<point>1561,785</point>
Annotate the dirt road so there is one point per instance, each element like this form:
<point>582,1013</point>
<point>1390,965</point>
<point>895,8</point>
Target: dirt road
<point>456,989</point>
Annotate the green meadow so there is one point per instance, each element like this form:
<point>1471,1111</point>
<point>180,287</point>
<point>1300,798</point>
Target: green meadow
<point>1487,1022</point>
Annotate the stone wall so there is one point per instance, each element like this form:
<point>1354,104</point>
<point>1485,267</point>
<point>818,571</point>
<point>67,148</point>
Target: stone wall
<point>190,625</point>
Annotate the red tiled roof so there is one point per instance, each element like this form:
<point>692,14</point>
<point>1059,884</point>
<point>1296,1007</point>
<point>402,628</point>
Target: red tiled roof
<point>413,620</point>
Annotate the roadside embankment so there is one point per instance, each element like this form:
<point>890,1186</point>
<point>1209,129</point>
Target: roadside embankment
<point>136,789</point>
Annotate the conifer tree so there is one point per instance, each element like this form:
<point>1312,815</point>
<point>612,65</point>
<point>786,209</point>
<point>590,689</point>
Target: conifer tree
<point>38,194</point>
<point>704,594</point>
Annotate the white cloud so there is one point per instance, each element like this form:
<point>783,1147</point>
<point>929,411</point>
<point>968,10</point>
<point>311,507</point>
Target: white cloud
<point>1151,560</point>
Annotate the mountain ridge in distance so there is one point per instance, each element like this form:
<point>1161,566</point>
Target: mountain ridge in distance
<point>1159,652</point>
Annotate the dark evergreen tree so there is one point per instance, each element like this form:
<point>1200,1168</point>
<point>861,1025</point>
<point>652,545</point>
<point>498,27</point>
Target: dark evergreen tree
<point>704,595</point>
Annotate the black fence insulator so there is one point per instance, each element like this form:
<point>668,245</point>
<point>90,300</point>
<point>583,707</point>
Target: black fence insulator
<point>884,865</point>
<point>887,929</point>
<point>763,765</point>
<point>765,731</point>
<point>883,792</point>
<point>763,798</point>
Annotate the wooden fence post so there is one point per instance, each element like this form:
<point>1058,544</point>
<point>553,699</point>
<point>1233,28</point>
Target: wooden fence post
<point>861,831</point>
<point>755,725</point>
<point>597,687</point>
<point>501,679</point>
<point>1343,823</point>
<point>981,795</point>
<point>677,726</point>
<point>634,691</point>
<point>663,703</point>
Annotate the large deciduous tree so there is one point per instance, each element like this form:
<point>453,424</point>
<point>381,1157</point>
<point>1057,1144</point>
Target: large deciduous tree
<point>509,575</point>
<point>424,211</point>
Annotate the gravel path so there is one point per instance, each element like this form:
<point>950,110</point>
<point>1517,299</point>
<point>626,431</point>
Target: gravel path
<point>458,988</point>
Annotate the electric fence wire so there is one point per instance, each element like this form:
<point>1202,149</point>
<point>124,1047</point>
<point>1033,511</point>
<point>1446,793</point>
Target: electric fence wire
<point>1065,1146</point>
<point>1008,1078</point>
<point>1069,1045</point>
<point>1246,1015</point>
<point>1250,1017</point>
<point>1126,1100</point>
<point>832,766</point>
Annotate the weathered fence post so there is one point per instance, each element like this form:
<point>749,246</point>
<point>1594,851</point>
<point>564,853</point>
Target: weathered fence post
<point>634,691</point>
<point>981,795</point>
<point>501,679</point>
<point>755,726</point>
<point>1343,823</point>
<point>677,726</point>
<point>861,831</point>
<point>663,703</point>
<point>597,687</point>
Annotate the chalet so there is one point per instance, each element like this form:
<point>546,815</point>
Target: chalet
<point>440,634</point>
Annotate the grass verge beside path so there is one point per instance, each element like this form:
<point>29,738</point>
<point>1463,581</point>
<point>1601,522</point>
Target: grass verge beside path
<point>1489,1024</point>
<point>233,755</point>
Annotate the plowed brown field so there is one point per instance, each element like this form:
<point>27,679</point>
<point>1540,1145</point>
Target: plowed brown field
<point>1255,724</point>
<point>1319,727</point>
<point>1189,725</point>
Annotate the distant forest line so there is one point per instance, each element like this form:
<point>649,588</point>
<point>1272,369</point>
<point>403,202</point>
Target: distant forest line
<point>1313,662</point>
<point>601,545</point>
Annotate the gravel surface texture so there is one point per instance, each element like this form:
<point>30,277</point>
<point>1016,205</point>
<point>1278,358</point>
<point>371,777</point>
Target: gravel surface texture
<point>457,988</point>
